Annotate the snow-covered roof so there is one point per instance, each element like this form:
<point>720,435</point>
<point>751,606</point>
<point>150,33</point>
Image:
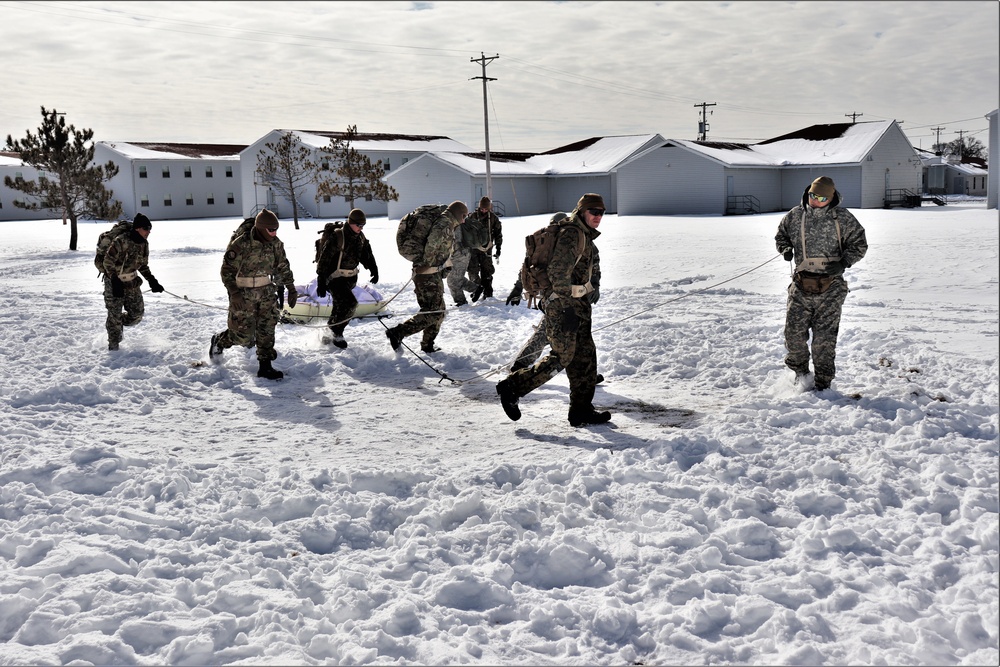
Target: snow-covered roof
<point>9,159</point>
<point>382,142</point>
<point>839,143</point>
<point>598,155</point>
<point>143,150</point>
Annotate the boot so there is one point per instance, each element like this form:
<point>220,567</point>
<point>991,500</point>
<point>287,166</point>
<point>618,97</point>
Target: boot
<point>267,371</point>
<point>429,348</point>
<point>112,345</point>
<point>339,340</point>
<point>588,416</point>
<point>478,292</point>
<point>214,349</point>
<point>394,338</point>
<point>487,287</point>
<point>508,400</point>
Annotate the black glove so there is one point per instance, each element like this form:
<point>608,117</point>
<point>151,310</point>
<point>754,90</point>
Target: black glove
<point>787,253</point>
<point>497,254</point>
<point>836,268</point>
<point>293,296</point>
<point>155,286</point>
<point>594,296</point>
<point>280,289</point>
<point>320,287</point>
<point>138,281</point>
<point>117,287</point>
<point>374,279</point>
<point>514,299</point>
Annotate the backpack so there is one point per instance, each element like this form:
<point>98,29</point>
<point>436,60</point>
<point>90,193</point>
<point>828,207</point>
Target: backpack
<point>105,239</point>
<point>245,227</point>
<point>476,234</point>
<point>414,228</point>
<point>332,232</point>
<point>539,248</point>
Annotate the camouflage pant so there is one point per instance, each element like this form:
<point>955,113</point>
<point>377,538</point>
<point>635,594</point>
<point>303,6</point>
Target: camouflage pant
<point>458,282</point>
<point>567,328</point>
<point>481,270</point>
<point>253,315</point>
<point>344,302</point>
<point>429,288</point>
<point>532,348</point>
<point>132,303</point>
<point>821,314</point>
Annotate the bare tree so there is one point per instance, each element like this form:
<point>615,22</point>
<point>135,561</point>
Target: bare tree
<point>963,147</point>
<point>287,167</point>
<point>75,188</point>
<point>357,177</point>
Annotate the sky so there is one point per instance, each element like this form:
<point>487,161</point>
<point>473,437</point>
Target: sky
<point>560,72</point>
<point>157,508</point>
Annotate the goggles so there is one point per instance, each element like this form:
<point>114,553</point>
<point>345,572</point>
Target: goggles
<point>813,195</point>
<point>596,211</point>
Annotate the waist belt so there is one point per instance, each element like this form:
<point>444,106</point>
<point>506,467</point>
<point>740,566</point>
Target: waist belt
<point>343,273</point>
<point>578,291</point>
<point>126,276</point>
<point>426,270</point>
<point>252,281</point>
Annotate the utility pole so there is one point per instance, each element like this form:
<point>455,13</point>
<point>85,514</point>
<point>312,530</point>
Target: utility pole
<point>484,61</point>
<point>854,116</point>
<point>961,144</point>
<point>703,125</point>
<point>937,141</point>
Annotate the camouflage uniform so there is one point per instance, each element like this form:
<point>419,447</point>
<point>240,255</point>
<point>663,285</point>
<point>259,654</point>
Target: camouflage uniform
<point>356,251</point>
<point>533,347</point>
<point>481,267</point>
<point>818,312</point>
<point>127,255</point>
<point>254,311</point>
<point>567,321</point>
<point>458,282</point>
<point>428,284</point>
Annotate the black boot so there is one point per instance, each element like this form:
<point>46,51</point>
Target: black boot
<point>267,371</point>
<point>394,338</point>
<point>588,416</point>
<point>478,292</point>
<point>508,400</point>
<point>487,287</point>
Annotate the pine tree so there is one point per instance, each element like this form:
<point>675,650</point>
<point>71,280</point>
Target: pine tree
<point>357,176</point>
<point>287,167</point>
<point>67,182</point>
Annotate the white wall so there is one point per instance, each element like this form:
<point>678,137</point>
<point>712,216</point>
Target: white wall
<point>892,155</point>
<point>7,196</point>
<point>427,180</point>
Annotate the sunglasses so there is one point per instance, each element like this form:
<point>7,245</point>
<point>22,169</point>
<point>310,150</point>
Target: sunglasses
<point>359,224</point>
<point>596,211</point>
<point>271,230</point>
<point>818,198</point>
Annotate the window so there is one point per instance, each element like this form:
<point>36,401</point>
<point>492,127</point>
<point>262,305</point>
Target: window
<point>326,165</point>
<point>211,199</point>
<point>142,171</point>
<point>208,172</point>
<point>387,167</point>
<point>187,172</point>
<point>229,172</point>
<point>326,199</point>
<point>347,199</point>
<point>405,160</point>
<point>144,202</point>
<point>166,172</point>
<point>19,177</point>
<point>168,200</point>
<point>368,197</point>
<point>189,200</point>
<point>230,199</point>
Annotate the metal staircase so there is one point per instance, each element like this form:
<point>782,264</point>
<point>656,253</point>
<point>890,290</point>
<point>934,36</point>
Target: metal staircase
<point>742,205</point>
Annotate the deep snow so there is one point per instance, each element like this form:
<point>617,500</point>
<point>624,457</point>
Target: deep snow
<point>158,509</point>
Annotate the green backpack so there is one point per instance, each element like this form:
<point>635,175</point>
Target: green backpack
<point>414,228</point>
<point>104,242</point>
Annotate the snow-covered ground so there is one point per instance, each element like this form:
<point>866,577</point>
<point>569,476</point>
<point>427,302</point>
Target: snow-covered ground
<point>158,509</point>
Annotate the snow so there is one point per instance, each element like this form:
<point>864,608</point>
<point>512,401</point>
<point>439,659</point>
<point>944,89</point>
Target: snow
<point>156,508</point>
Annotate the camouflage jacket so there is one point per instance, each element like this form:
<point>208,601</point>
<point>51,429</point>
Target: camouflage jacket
<point>821,233</point>
<point>127,254</point>
<point>440,241</point>
<point>356,250</point>
<point>248,256</point>
<point>564,270</point>
<point>491,222</point>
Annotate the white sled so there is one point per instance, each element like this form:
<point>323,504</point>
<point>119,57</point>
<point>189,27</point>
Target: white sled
<point>311,308</point>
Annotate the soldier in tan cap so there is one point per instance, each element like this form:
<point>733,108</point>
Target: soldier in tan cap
<point>822,239</point>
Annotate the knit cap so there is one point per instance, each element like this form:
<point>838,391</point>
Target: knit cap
<point>357,216</point>
<point>141,222</point>
<point>590,200</point>
<point>266,220</point>
<point>823,187</point>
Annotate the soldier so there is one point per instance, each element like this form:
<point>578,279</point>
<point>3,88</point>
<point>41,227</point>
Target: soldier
<point>254,264</point>
<point>823,239</point>
<point>536,343</point>
<point>481,267</point>
<point>567,321</point>
<point>127,255</point>
<point>458,281</point>
<point>429,272</point>
<point>337,271</point>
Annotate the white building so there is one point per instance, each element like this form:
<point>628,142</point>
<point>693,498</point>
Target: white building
<point>520,184</point>
<point>394,150</point>
<point>173,180</point>
<point>11,165</point>
<point>872,163</point>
